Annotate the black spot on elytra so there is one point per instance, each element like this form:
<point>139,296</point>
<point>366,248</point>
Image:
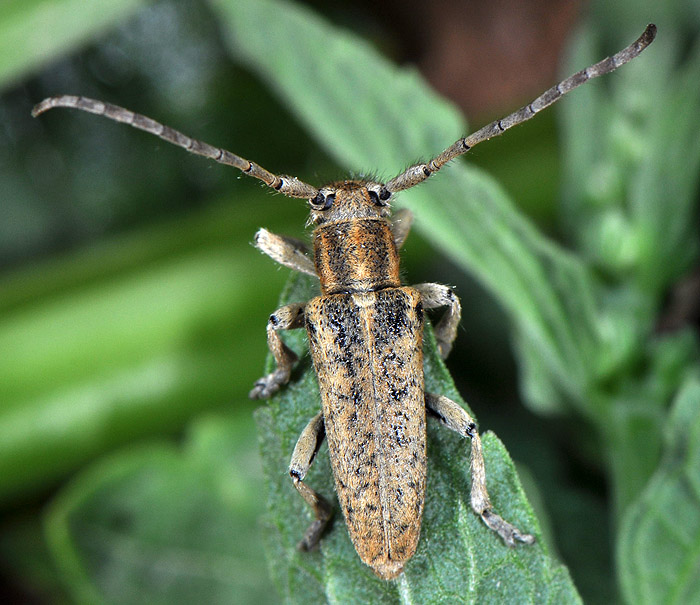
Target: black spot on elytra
<point>398,394</point>
<point>399,434</point>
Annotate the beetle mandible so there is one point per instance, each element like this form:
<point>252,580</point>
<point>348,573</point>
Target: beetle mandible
<point>365,335</point>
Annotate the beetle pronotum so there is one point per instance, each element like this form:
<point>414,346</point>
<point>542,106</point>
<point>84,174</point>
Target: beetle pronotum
<point>365,335</point>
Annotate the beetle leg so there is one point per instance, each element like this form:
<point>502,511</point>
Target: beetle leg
<point>401,225</point>
<point>304,453</point>
<point>285,318</point>
<point>453,416</point>
<point>286,251</point>
<point>437,295</point>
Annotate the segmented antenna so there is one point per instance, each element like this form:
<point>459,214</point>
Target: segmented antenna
<point>293,187</point>
<point>418,173</point>
<point>287,185</point>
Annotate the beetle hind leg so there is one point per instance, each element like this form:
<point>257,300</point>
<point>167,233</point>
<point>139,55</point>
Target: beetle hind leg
<point>304,453</point>
<point>455,417</point>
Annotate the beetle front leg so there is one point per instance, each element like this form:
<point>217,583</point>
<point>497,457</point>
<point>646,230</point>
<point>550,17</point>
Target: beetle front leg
<point>285,318</point>
<point>453,416</point>
<point>304,453</point>
<point>437,295</point>
<point>286,251</point>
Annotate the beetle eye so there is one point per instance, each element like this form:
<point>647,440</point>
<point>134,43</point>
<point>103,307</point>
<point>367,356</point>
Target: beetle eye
<point>379,199</point>
<point>322,201</point>
<point>374,196</point>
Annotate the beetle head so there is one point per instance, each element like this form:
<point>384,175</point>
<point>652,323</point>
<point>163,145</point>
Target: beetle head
<point>349,199</point>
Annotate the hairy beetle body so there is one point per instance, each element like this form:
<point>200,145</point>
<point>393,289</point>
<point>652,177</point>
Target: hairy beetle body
<point>356,256</point>
<point>365,337</point>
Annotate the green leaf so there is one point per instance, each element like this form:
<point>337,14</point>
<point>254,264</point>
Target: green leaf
<point>32,32</point>
<point>458,559</point>
<point>160,525</point>
<point>126,339</point>
<point>632,160</point>
<point>633,440</point>
<point>659,546</point>
<point>663,196</point>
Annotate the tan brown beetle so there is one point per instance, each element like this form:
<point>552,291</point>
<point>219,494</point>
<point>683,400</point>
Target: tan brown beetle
<point>365,335</point>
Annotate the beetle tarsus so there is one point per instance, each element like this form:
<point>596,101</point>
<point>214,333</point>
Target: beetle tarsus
<point>510,534</point>
<point>312,536</point>
<point>268,385</point>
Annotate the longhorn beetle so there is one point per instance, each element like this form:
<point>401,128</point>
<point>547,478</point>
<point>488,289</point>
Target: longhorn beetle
<point>365,334</point>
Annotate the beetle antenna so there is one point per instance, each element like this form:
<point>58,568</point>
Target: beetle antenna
<point>287,185</point>
<point>418,173</point>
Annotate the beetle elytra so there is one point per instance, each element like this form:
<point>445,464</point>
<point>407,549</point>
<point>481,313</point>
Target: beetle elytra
<point>365,335</point>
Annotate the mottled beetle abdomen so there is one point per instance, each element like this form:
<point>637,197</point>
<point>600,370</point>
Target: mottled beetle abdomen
<point>367,353</point>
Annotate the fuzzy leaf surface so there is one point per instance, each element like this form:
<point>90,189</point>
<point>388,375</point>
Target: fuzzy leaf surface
<point>158,524</point>
<point>659,548</point>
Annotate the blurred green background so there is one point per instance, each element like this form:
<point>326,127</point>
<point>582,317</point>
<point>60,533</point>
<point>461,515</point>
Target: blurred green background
<point>133,306</point>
